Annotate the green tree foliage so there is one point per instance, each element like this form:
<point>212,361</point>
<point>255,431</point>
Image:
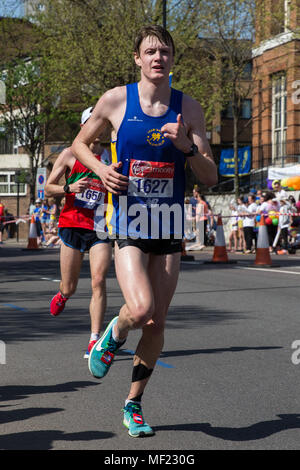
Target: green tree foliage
<point>18,38</point>
<point>26,113</point>
<point>89,46</point>
<point>228,36</point>
<point>194,70</point>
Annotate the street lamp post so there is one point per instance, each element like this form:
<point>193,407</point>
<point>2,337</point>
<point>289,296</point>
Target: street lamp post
<point>164,13</point>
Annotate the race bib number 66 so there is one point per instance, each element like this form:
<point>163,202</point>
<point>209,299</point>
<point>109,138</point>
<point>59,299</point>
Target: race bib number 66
<point>151,179</point>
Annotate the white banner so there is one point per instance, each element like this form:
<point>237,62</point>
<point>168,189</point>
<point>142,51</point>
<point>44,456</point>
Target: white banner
<point>275,173</point>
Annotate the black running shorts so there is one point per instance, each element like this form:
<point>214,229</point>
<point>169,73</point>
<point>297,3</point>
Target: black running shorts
<point>80,239</point>
<point>157,247</point>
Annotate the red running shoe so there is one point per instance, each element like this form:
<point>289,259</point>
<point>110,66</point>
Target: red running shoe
<point>57,304</point>
<point>91,344</point>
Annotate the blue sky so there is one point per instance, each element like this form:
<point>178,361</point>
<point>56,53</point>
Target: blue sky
<point>11,8</point>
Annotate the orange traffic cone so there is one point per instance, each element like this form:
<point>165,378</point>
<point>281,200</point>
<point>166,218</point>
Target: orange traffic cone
<point>263,257</point>
<point>32,238</point>
<point>220,252</point>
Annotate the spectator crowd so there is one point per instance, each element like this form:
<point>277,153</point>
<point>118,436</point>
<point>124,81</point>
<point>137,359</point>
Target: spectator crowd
<point>46,214</point>
<point>281,215</point>
<point>280,210</point>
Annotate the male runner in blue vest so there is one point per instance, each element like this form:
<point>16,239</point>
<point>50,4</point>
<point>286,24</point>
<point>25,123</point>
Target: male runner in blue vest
<point>156,129</point>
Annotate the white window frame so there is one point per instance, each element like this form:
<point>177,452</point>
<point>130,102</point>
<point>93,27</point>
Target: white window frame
<point>10,183</point>
<point>279,117</point>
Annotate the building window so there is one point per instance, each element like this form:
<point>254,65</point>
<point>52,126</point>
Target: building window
<point>247,72</point>
<point>8,186</point>
<point>279,117</point>
<point>9,142</point>
<point>227,112</point>
<point>245,110</point>
<point>6,145</point>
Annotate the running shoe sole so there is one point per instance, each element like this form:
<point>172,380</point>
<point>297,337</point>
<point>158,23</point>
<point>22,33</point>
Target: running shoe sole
<point>140,434</point>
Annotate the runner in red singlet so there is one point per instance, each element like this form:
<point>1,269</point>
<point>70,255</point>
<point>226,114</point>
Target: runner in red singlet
<point>84,193</point>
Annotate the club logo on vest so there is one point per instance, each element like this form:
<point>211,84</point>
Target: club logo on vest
<point>155,138</point>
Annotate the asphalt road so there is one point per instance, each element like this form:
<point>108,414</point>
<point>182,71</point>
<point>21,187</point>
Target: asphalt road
<point>228,377</point>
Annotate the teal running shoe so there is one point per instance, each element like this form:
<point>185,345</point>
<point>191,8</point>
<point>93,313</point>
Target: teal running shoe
<point>102,354</point>
<point>134,421</point>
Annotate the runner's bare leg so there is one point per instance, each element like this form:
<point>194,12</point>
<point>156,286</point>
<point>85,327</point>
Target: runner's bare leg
<point>100,259</point>
<point>163,272</point>
<point>131,268</point>
<point>70,265</point>
<point>156,277</point>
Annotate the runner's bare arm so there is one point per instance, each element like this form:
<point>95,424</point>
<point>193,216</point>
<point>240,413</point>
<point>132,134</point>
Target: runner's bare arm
<point>64,161</point>
<point>193,131</point>
<point>100,119</point>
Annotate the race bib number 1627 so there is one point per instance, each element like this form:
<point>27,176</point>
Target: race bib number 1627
<point>151,179</point>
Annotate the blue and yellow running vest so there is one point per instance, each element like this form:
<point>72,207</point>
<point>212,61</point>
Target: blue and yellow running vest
<point>153,205</point>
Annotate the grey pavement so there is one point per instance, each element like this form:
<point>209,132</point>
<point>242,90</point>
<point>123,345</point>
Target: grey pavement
<point>227,379</point>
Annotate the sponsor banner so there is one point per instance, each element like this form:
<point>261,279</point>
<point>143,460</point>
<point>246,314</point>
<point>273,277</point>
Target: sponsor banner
<point>226,167</point>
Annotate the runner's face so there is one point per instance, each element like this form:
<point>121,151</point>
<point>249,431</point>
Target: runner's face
<point>96,147</point>
<point>155,58</point>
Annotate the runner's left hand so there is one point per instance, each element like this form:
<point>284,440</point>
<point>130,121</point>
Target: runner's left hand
<point>175,131</point>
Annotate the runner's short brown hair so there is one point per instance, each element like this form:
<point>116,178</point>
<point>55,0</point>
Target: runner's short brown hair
<point>153,30</point>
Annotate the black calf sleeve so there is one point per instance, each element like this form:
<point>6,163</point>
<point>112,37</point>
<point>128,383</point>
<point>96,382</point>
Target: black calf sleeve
<point>140,372</point>
<point>137,398</point>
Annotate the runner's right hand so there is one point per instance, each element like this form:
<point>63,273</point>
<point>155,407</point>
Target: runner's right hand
<point>113,181</point>
<point>79,186</point>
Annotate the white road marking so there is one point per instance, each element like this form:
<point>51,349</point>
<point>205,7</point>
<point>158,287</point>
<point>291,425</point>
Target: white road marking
<point>269,270</point>
<point>49,279</point>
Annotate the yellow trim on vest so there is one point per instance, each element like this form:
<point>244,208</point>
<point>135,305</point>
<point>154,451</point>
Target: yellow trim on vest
<point>110,207</point>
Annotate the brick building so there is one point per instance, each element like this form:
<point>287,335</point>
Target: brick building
<point>276,85</point>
